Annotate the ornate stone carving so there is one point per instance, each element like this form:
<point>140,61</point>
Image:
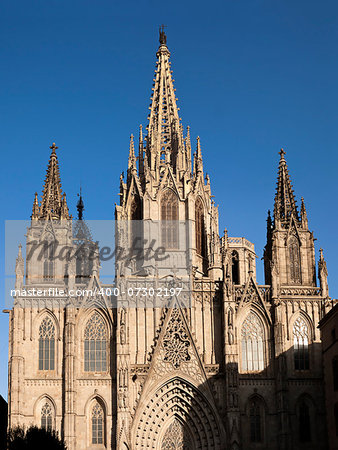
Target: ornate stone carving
<point>176,341</point>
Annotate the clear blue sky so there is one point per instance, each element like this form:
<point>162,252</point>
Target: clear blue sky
<point>251,76</point>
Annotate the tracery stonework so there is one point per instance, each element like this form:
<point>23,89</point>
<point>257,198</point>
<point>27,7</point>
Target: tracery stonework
<point>232,370</point>
<point>176,341</point>
<point>176,438</point>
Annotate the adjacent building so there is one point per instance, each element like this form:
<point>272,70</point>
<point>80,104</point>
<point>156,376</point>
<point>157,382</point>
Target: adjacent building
<point>329,333</point>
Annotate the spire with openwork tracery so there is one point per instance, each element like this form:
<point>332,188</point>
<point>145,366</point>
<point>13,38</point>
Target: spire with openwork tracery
<point>53,203</point>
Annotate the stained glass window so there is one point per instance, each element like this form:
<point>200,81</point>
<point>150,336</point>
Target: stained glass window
<point>252,337</point>
<point>95,344</point>
<point>46,345</point>
<point>46,416</point>
<point>301,344</point>
<point>169,217</point>
<point>97,424</point>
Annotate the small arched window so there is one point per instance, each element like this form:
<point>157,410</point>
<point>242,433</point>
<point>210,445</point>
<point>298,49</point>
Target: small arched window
<point>235,267</point>
<point>294,260</point>
<point>335,372</point>
<point>46,345</point>
<point>304,422</point>
<point>252,337</point>
<point>301,344</point>
<point>169,217</point>
<point>47,416</point>
<point>95,344</point>
<point>256,416</point>
<point>97,419</point>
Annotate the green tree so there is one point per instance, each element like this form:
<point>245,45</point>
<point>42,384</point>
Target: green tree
<point>34,438</point>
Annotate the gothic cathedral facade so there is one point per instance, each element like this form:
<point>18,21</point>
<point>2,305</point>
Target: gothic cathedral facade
<point>239,369</point>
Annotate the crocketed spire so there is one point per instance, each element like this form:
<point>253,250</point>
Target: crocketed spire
<point>285,203</point>
<point>54,203</point>
<point>164,140</point>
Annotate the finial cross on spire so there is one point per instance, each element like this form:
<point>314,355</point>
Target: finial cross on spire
<point>53,147</point>
<point>282,152</point>
<point>163,37</point>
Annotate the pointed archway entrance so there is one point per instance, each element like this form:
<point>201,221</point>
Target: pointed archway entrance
<point>177,416</point>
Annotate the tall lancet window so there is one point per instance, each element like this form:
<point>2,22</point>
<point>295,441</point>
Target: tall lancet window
<point>200,228</point>
<point>294,260</point>
<point>252,337</point>
<point>48,258</point>
<point>136,234</point>
<point>46,345</point>
<point>256,413</point>
<point>97,418</point>
<point>95,344</point>
<point>304,422</point>
<point>235,267</point>
<point>47,416</point>
<point>301,344</point>
<point>169,217</point>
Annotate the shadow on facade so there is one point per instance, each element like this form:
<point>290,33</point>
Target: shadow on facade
<point>278,408</point>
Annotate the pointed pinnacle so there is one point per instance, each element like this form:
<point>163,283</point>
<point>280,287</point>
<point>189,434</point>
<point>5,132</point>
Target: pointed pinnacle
<point>198,151</point>
<point>80,206</point>
<point>64,207</point>
<point>132,159</point>
<point>36,207</point>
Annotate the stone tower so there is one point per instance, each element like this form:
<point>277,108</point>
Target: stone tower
<point>166,373</point>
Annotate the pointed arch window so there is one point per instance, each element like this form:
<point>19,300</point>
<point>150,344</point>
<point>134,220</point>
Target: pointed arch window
<point>169,218</point>
<point>176,437</point>
<point>294,260</point>
<point>256,416</point>
<point>136,232</point>
<point>252,337</point>
<point>304,422</point>
<point>48,257</point>
<point>301,344</point>
<point>97,424</point>
<point>95,345</point>
<point>47,416</point>
<point>235,267</point>
<point>46,344</point>
<point>200,229</point>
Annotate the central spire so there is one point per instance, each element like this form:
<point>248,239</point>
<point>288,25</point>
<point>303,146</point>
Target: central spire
<point>165,136</point>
